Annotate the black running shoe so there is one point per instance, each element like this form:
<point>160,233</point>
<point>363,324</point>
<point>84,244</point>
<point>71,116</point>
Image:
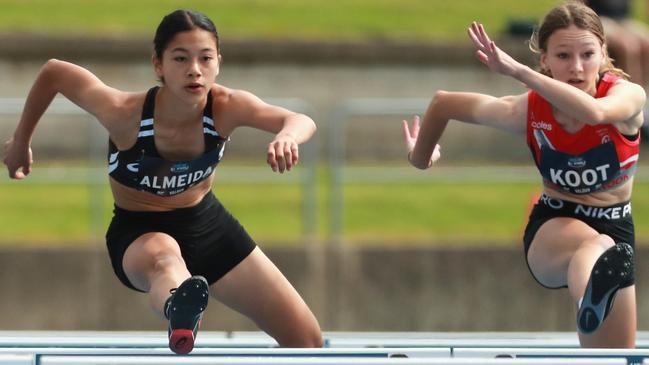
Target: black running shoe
<point>613,268</point>
<point>185,310</point>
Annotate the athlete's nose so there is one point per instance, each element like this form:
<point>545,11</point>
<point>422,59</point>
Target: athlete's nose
<point>194,69</point>
<point>577,65</point>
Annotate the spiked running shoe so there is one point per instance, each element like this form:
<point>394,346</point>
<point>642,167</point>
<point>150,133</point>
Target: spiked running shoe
<point>612,269</point>
<point>185,310</point>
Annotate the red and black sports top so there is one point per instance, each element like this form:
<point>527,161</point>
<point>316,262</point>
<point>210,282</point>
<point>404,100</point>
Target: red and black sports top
<point>595,158</point>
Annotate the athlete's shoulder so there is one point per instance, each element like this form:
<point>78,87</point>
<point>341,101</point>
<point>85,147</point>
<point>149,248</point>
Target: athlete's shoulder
<point>228,100</point>
<point>617,82</point>
<point>126,106</point>
<point>622,83</point>
<point>123,123</point>
<point>221,94</point>
<point>133,101</point>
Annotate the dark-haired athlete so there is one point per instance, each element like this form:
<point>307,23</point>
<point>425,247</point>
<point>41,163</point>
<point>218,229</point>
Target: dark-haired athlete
<point>169,232</point>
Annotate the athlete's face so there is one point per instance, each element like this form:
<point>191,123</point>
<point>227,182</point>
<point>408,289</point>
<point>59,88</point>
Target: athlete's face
<point>574,56</point>
<point>189,64</point>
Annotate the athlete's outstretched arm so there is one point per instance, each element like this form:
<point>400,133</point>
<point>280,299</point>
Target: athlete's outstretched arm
<point>623,103</point>
<point>291,129</point>
<point>75,83</point>
<point>506,113</point>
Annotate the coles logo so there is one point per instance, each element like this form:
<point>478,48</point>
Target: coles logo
<point>542,125</point>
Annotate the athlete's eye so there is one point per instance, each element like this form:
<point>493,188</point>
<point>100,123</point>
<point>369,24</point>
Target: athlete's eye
<point>180,58</point>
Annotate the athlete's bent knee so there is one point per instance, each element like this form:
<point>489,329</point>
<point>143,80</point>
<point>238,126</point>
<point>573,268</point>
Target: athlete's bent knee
<point>602,241</point>
<point>316,339</point>
<point>309,338</point>
<point>301,335</point>
<point>165,264</point>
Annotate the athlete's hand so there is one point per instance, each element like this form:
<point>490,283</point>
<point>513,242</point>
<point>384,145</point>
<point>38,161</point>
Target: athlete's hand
<point>489,54</point>
<point>17,156</point>
<point>411,135</point>
<point>283,153</point>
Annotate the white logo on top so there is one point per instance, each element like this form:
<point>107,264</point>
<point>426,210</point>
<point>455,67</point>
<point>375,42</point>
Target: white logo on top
<point>542,125</point>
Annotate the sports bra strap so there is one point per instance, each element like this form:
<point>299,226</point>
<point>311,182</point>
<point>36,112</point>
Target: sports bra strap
<point>149,103</point>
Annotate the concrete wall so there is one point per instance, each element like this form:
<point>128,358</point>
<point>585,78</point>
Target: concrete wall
<point>351,289</point>
<point>245,51</point>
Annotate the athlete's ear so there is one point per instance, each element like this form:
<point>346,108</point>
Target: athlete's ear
<point>542,60</point>
<point>604,54</point>
<point>157,65</point>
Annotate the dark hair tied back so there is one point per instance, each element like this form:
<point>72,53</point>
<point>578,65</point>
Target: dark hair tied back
<point>181,21</point>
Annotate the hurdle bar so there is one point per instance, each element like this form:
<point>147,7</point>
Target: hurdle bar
<point>241,352</point>
<point>115,360</point>
<point>631,356</point>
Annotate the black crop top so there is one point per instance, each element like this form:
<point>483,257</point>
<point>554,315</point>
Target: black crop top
<point>141,167</point>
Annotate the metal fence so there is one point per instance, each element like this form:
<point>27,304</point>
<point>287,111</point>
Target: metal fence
<point>337,124</point>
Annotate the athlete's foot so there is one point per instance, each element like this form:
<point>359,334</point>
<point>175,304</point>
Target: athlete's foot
<point>185,310</point>
<point>612,269</point>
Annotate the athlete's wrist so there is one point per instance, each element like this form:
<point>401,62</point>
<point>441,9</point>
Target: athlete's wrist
<point>522,73</point>
<point>287,135</point>
<point>22,139</point>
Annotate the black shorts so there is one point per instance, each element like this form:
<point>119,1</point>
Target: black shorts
<point>211,240</point>
<point>615,221</point>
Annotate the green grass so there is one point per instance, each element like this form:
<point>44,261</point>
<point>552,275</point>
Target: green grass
<point>437,212</point>
<point>373,212</point>
<point>41,213</point>
<point>422,213</point>
<point>297,19</point>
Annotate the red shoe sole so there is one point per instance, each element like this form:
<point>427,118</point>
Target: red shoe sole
<point>181,341</point>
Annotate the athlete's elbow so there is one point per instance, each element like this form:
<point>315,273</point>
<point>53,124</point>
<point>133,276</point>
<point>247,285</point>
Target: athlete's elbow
<point>52,65</point>
<point>52,70</point>
<point>420,165</point>
<point>309,125</point>
<point>51,61</point>
<point>435,105</point>
<point>438,97</point>
<point>312,126</point>
<point>306,127</point>
<point>596,117</point>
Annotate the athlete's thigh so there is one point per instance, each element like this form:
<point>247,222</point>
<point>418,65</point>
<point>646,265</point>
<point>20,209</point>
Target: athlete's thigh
<point>257,289</point>
<point>141,257</point>
<point>553,246</point>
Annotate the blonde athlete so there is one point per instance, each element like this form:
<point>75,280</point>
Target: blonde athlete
<point>581,119</point>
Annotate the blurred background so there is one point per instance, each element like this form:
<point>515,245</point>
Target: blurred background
<point>371,243</point>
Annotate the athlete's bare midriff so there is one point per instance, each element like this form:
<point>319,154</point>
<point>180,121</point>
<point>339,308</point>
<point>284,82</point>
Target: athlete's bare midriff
<point>605,198</point>
<point>135,200</point>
